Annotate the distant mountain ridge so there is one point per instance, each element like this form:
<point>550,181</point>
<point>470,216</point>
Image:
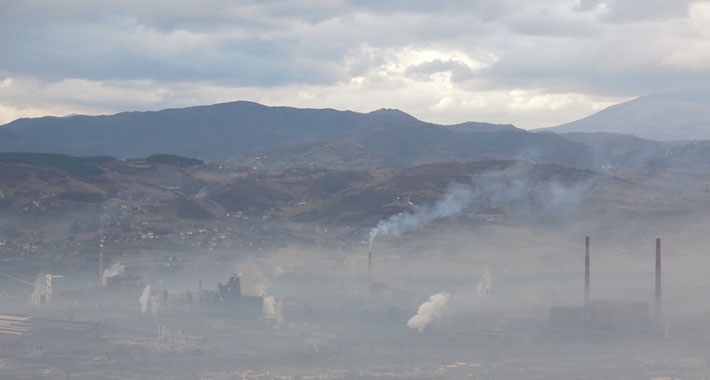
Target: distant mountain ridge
<point>665,117</point>
<point>208,131</point>
<point>253,135</point>
<point>285,137</point>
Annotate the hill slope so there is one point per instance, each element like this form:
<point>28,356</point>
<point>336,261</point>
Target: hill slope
<point>133,191</point>
<point>398,146</point>
<point>137,204</point>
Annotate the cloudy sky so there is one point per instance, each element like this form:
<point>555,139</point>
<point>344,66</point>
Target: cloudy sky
<point>531,63</point>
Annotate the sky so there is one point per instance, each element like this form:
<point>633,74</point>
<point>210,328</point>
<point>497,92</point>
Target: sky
<point>530,63</point>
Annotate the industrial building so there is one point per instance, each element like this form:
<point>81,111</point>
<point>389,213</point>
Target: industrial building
<point>229,298</point>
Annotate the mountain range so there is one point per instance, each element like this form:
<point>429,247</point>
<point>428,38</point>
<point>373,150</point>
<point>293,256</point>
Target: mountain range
<point>250,134</point>
<point>284,137</point>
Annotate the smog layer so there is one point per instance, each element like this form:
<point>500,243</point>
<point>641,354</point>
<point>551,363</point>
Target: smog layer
<point>173,268</point>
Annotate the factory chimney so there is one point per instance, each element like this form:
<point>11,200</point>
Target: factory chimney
<point>369,267</point>
<point>199,291</point>
<point>658,279</point>
<point>101,261</point>
<point>586,271</point>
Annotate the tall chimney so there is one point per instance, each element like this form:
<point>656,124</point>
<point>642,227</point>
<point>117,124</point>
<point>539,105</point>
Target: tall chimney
<point>586,271</point>
<point>658,279</point>
<point>369,267</point>
<point>101,261</point>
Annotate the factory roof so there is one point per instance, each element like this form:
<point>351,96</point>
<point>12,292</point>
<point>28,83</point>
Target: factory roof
<point>12,326</point>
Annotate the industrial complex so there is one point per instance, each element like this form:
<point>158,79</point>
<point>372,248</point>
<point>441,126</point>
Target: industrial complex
<point>126,319</point>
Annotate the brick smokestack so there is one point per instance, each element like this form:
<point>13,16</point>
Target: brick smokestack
<point>101,261</point>
<point>369,267</point>
<point>658,279</point>
<point>586,270</point>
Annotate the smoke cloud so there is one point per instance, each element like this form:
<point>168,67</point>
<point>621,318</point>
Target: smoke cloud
<point>144,299</point>
<point>516,190</point>
<point>202,193</point>
<point>483,287</point>
<point>429,310</point>
<point>456,199</point>
<point>115,269</point>
<point>272,309</point>
<point>39,290</point>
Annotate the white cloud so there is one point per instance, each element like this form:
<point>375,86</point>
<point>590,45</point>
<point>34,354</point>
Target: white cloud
<point>530,63</point>
<point>692,50</point>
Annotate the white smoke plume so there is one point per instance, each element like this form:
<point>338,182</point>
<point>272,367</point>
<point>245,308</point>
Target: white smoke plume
<point>39,284</point>
<point>429,310</point>
<point>272,309</point>
<point>144,299</point>
<point>455,201</point>
<point>115,269</point>
<point>202,193</point>
<point>517,190</point>
<point>483,287</point>
<point>39,290</point>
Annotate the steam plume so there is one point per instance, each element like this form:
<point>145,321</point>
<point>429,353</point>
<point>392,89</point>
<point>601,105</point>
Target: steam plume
<point>144,299</point>
<point>429,310</point>
<point>115,269</point>
<point>272,309</point>
<point>40,290</point>
<point>483,287</point>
